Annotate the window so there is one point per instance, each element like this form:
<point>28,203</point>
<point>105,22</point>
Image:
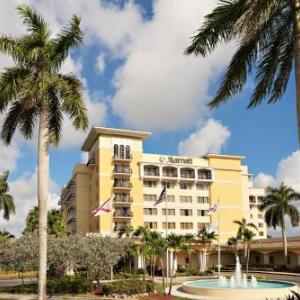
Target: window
<point>201,226</point>
<point>151,170</point>
<point>127,152</point>
<point>257,259</point>
<point>171,212</point>
<point>170,198</point>
<point>202,186</point>
<point>260,200</point>
<point>168,185</point>
<point>260,225</point>
<point>261,233</point>
<point>150,211</point>
<point>186,186</point>
<point>252,199</point>
<point>149,183</point>
<point>151,225</point>
<point>186,225</point>
<point>202,212</point>
<point>186,212</point>
<point>260,216</point>
<point>185,199</point>
<point>116,150</point>
<point>171,225</point>
<point>252,206</point>
<point>251,216</point>
<point>148,197</point>
<point>202,200</point>
<point>122,151</point>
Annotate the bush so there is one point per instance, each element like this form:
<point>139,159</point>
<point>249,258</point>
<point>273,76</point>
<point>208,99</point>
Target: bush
<point>187,271</point>
<point>128,287</point>
<point>65,285</point>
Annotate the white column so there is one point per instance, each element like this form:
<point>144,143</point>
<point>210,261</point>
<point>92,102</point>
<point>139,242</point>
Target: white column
<point>200,260</point>
<point>139,262</point>
<point>266,260</point>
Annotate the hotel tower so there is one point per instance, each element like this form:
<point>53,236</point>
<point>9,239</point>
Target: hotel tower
<point>117,168</point>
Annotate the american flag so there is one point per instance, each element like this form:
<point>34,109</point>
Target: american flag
<point>104,208</point>
<point>162,197</point>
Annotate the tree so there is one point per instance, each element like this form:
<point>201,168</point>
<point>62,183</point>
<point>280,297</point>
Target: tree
<point>125,231</point>
<point>233,242</point>
<point>176,243</point>
<point>243,226</point>
<point>268,35</point>
<point>248,237</point>
<point>205,237</point>
<point>189,239</point>
<point>6,200</point>
<point>35,90</point>
<point>277,204</point>
<point>56,223</point>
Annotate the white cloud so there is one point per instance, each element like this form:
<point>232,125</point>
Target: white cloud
<point>100,64</point>
<point>24,191</point>
<point>9,157</point>
<point>263,180</point>
<point>208,139</point>
<point>158,87</point>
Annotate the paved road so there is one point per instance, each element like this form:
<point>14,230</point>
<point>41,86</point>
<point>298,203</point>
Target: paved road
<point>13,282</point>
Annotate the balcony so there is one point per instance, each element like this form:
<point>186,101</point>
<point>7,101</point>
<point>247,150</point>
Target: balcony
<point>187,174</point>
<point>122,158</point>
<point>122,201</point>
<point>122,185</point>
<point>170,173</point>
<point>123,214</point>
<point>122,171</point>
<point>119,227</point>
<point>204,175</point>
<point>151,171</point>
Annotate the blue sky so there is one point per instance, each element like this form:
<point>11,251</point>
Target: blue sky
<point>135,76</point>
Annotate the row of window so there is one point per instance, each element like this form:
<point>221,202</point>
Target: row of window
<point>121,151</point>
<point>173,185</point>
<point>259,216</point>
<point>171,212</point>
<point>182,199</point>
<point>172,225</point>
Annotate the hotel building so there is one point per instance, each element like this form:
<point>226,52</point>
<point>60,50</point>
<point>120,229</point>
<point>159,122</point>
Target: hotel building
<point>117,167</point>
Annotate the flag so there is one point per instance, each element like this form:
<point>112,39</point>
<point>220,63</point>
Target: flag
<point>213,209</point>
<point>104,208</point>
<point>162,197</point>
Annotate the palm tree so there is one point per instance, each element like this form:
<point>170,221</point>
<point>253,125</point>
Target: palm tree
<point>243,226</point>
<point>176,243</point>
<point>277,204</point>
<point>248,237</point>
<point>268,35</point>
<point>233,242</point>
<point>56,223</point>
<point>34,90</point>
<point>125,231</point>
<point>205,237</point>
<point>6,200</point>
<point>189,239</point>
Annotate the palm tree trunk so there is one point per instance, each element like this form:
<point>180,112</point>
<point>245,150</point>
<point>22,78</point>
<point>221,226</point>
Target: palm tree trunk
<point>43,175</point>
<point>172,273</point>
<point>284,240</point>
<point>297,62</point>
<point>248,258</point>
<point>162,265</point>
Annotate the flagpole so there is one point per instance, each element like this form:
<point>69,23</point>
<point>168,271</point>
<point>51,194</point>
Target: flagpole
<point>219,245</point>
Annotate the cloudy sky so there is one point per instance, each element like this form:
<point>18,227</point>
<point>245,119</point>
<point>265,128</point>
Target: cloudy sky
<point>136,76</point>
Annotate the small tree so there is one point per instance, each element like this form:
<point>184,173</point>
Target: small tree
<point>6,200</point>
<point>248,237</point>
<point>234,242</point>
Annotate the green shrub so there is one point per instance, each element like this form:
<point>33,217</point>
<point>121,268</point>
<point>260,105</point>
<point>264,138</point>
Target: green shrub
<point>187,271</point>
<point>128,287</point>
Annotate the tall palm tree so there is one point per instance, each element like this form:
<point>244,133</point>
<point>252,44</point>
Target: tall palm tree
<point>248,238</point>
<point>243,226</point>
<point>6,200</point>
<point>34,90</point>
<point>277,204</point>
<point>176,243</point>
<point>205,237</point>
<point>268,35</point>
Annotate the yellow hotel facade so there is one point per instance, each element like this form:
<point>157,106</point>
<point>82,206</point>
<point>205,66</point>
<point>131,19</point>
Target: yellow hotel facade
<point>117,167</point>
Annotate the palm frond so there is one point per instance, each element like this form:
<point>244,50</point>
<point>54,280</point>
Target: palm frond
<point>7,205</point>
<point>218,27</point>
<point>27,122</point>
<point>11,121</point>
<point>293,213</point>
<point>34,21</point>
<point>69,37</point>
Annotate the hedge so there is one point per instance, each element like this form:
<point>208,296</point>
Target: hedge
<point>73,285</point>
